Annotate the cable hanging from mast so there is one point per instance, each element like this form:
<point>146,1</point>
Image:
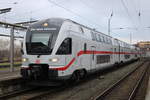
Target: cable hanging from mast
<point>70,11</point>
<point>126,8</point>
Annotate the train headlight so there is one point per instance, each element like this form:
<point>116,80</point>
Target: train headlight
<point>54,60</point>
<point>45,24</point>
<point>24,59</point>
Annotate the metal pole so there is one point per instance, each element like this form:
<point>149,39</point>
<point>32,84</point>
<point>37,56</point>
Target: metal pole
<point>12,49</point>
<point>130,38</point>
<point>109,26</point>
<point>109,22</point>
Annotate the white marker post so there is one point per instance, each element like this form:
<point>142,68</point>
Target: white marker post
<point>12,49</point>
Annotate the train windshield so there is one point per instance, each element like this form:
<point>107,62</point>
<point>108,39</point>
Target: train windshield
<point>40,40</point>
<point>40,43</point>
<point>43,39</point>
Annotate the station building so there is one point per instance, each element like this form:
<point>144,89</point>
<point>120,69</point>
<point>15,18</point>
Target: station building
<point>145,47</point>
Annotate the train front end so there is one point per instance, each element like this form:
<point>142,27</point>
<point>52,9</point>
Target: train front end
<point>38,46</point>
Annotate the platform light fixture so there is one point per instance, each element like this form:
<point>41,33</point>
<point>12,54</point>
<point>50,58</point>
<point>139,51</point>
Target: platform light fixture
<point>5,10</point>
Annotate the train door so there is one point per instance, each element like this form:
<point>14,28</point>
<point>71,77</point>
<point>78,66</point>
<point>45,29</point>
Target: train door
<point>93,58</point>
<point>116,54</point>
<point>119,55</point>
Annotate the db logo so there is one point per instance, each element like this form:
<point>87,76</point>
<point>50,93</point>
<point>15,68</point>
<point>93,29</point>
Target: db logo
<point>37,61</point>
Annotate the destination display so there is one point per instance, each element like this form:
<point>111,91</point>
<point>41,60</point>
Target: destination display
<point>43,29</point>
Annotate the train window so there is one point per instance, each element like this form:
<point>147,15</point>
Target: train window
<point>103,59</point>
<point>85,47</point>
<point>126,56</point>
<point>99,38</point>
<point>93,36</point>
<point>110,41</point>
<point>103,39</point>
<point>116,42</point>
<point>107,41</point>
<point>65,48</point>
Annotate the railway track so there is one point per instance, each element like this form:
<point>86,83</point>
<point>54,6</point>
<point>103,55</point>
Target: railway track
<point>15,93</point>
<point>126,87</point>
<point>41,93</point>
<point>32,93</point>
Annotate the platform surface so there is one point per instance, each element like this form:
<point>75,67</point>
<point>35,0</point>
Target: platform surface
<point>148,91</point>
<point>6,74</point>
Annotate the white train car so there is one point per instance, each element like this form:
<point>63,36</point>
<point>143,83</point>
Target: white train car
<point>61,49</point>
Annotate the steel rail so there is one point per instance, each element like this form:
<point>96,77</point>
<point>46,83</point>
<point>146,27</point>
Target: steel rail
<point>106,91</point>
<point>45,93</point>
<point>133,93</point>
<point>13,94</point>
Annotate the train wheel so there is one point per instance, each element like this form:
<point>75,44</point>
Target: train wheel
<point>116,64</point>
<point>83,74</point>
<point>121,63</point>
<point>75,76</point>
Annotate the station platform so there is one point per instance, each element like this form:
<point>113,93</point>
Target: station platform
<point>6,74</point>
<point>148,91</point>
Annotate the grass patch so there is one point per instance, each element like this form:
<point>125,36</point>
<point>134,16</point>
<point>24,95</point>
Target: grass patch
<point>8,68</point>
<point>8,64</point>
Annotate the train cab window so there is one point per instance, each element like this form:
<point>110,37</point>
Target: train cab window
<point>65,48</point>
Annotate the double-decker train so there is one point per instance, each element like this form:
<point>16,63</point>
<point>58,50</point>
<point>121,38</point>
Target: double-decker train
<point>61,49</point>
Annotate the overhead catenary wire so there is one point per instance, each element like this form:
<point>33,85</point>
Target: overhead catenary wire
<point>109,17</point>
<point>139,14</point>
<point>137,11</point>
<point>87,5</point>
<point>70,11</point>
<point>126,9</point>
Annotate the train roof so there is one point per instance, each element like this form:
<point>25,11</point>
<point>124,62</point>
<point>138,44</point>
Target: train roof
<point>49,20</point>
<point>89,28</point>
<point>65,19</point>
<point>61,20</point>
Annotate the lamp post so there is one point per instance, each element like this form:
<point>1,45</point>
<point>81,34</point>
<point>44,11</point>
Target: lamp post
<point>109,22</point>
<point>130,38</point>
<point>12,49</point>
<point>5,10</point>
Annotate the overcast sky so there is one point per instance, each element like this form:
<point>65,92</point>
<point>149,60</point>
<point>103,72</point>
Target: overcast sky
<point>132,15</point>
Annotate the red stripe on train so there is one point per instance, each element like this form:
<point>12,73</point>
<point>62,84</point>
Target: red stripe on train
<point>65,67</point>
<point>89,52</point>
